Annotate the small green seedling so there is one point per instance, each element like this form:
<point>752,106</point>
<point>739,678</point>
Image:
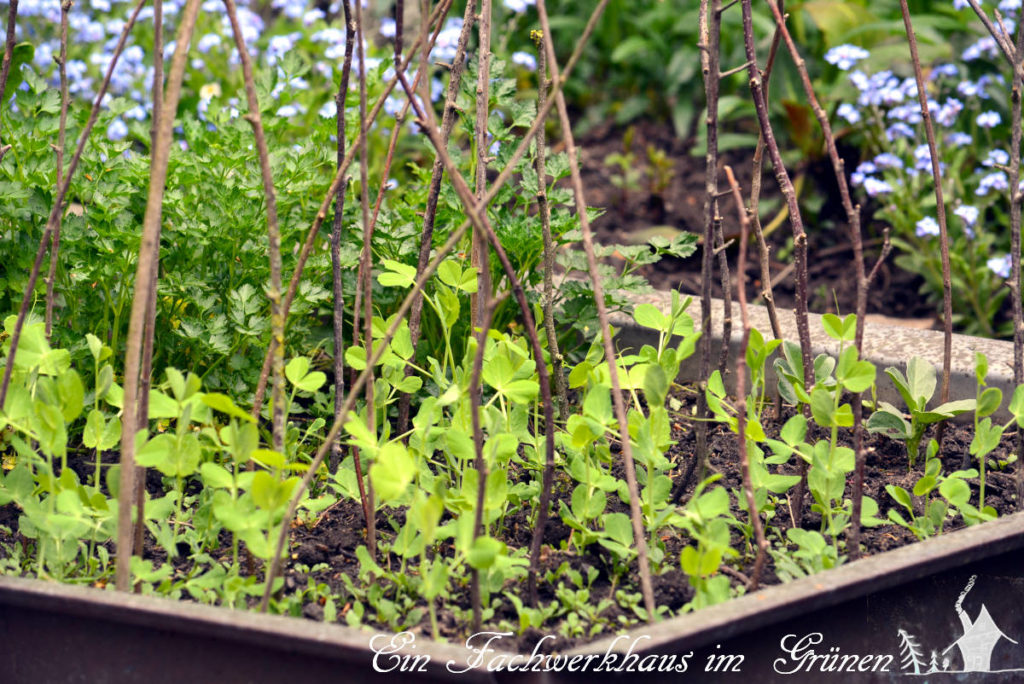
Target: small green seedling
<point>916,388</point>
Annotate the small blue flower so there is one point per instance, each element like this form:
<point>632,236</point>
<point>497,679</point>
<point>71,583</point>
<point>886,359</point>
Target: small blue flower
<point>968,213</point>
<point>447,39</point>
<point>947,114</point>
<point>393,105</point>
<point>117,130</point>
<point>993,181</point>
<point>888,160</point>
<point>947,70</point>
<point>849,112</point>
<point>922,157</point>
<point>908,113</point>
<point>996,157</point>
<point>293,9</point>
<point>927,227</point>
<point>985,47</point>
<point>862,172</point>
<point>138,112</point>
<point>989,119</point>
<point>899,130</point>
<point>875,187</point>
<point>519,6</point>
<point>388,27</point>
<point>1000,265</point>
<point>842,56</point>
<point>329,109</point>
<point>958,139</point>
<point>208,42</point>
<point>525,60</point>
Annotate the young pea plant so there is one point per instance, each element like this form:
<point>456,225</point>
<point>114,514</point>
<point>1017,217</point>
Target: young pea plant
<point>651,370</point>
<point>813,554</point>
<point>916,388</point>
<point>830,463</point>
<point>707,520</point>
<point>764,481</point>
<point>930,522</point>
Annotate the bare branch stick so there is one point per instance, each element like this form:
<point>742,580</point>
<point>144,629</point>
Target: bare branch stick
<point>795,219</point>
<point>479,258</point>
<point>709,57</point>
<point>149,330</point>
<point>544,211</point>
<point>940,209</point>
<point>273,232</point>
<point>1015,57</point>
<point>755,196</point>
<point>1015,245</point>
<point>62,58</point>
<point>713,29</point>
<point>639,529</point>
<point>143,279</point>
<point>741,379</point>
<point>337,283</point>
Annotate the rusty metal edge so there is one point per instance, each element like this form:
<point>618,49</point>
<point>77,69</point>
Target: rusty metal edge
<point>347,645</point>
<point>852,580</point>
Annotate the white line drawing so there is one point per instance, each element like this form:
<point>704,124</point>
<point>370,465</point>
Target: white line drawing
<point>980,636</point>
<point>979,639</point>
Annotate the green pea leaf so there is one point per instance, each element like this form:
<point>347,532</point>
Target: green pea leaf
<point>392,472</point>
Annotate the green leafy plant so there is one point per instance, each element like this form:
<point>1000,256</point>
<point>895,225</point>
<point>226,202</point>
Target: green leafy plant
<point>916,388</point>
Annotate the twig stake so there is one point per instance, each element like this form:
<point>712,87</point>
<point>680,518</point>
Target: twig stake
<point>940,210</point>
<point>741,380</point>
<point>796,223</point>
<point>143,281</point>
<point>544,211</point>
<point>337,225</point>
<point>61,59</point>
<point>636,516</point>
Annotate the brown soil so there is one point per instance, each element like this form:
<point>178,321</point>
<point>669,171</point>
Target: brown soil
<point>335,537</point>
<point>634,215</point>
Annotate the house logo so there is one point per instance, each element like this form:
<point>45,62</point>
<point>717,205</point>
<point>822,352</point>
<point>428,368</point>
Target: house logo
<point>980,637</point>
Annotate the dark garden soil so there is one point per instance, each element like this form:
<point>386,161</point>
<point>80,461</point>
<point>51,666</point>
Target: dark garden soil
<point>634,216</point>
<point>340,530</point>
<point>335,535</point>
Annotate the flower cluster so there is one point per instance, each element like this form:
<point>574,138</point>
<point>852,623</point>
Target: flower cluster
<point>299,47</point>
<point>966,103</point>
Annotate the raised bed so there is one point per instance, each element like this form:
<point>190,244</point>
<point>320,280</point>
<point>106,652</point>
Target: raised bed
<point>55,633</point>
